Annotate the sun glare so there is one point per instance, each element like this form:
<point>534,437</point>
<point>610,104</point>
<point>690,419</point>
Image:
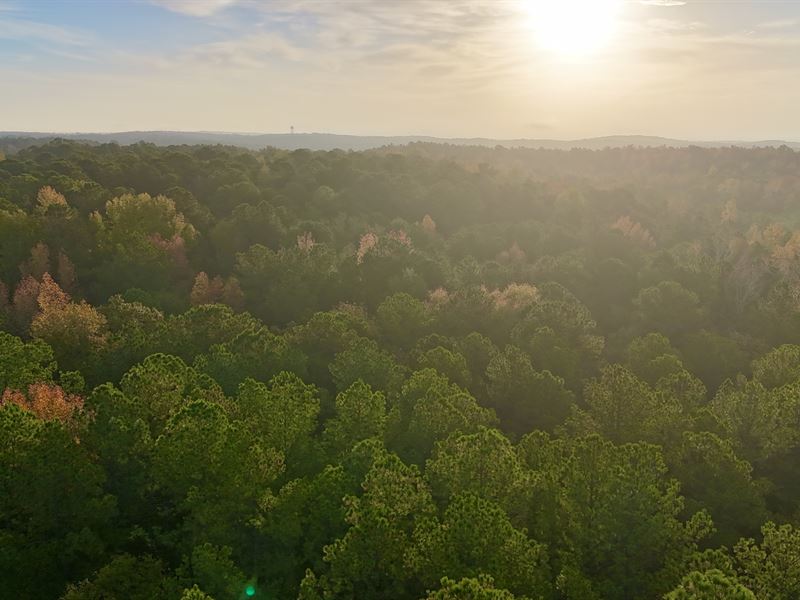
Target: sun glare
<point>574,28</point>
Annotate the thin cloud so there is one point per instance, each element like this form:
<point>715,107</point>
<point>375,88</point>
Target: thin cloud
<point>780,24</point>
<point>254,51</point>
<point>674,27</point>
<point>25,30</point>
<point>422,42</point>
<point>195,8</point>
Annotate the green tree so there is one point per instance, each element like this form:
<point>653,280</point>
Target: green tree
<point>127,577</point>
<point>470,588</point>
<point>610,515</point>
<point>652,357</point>
<point>760,421</point>
<point>668,308</point>
<point>360,414</point>
<point>709,585</point>
<point>161,385</point>
<point>483,463</point>
<point>713,357</point>
<point>24,363</point>
<point>195,593</point>
<point>255,353</point>
<point>282,414</point>
<point>286,285</point>
<point>364,360</point>
<point>369,561</point>
<point>623,408</point>
<point>212,568</point>
<point>402,319</point>
<point>779,367</point>
<point>193,332</point>
<point>142,241</point>
<point>476,537</point>
<point>306,516</point>
<point>214,476</point>
<point>714,479</point>
<point>772,568</point>
<point>430,408</point>
<point>323,336</point>
<point>523,398</point>
<point>560,335</point>
<point>56,516</point>
<point>450,363</point>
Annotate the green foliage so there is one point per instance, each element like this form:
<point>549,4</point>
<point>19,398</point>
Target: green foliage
<point>56,514</point>
<point>290,284</point>
<point>771,569</point>
<point>214,477</point>
<point>195,593</point>
<point>757,419</point>
<point>213,570</point>
<point>713,357</point>
<point>668,308</point>
<point>624,408</point>
<point>369,560</point>
<point>430,408</point>
<point>307,514</point>
<point>560,335</point>
<point>323,336</point>
<point>134,216</point>
<point>401,319</point>
<point>475,537</point>
<point>483,463</point>
<point>282,414</point>
<point>449,363</point>
<point>778,367</point>
<point>610,515</point>
<point>194,332</point>
<point>142,240</point>
<point>161,385</point>
<point>652,358</point>
<point>254,353</point>
<point>22,364</point>
<point>709,585</point>
<point>480,588</point>
<point>714,479</point>
<point>360,414</point>
<point>432,371</point>
<point>128,577</point>
<point>523,398</point>
<point>363,359</point>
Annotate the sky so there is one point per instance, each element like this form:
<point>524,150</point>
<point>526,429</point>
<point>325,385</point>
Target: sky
<point>699,69</point>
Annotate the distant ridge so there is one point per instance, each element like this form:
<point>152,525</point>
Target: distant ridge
<point>331,141</point>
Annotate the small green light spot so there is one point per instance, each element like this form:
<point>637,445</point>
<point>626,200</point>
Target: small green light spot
<point>250,590</point>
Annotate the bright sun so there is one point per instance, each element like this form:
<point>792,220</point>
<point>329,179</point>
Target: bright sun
<point>574,28</point>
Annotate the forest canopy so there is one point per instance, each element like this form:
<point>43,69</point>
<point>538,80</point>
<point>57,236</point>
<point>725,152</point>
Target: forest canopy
<point>420,372</point>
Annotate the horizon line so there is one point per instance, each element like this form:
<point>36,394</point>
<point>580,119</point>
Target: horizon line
<point>404,135</point>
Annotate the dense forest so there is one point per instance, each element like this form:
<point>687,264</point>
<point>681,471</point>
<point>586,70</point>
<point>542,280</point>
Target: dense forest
<point>421,372</point>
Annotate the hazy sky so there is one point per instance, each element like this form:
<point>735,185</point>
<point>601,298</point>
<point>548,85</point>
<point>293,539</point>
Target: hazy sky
<point>696,69</point>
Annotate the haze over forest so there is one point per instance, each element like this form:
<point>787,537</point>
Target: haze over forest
<point>12,140</point>
<point>500,342</point>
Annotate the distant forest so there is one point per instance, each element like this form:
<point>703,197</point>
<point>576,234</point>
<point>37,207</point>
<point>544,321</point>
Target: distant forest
<point>14,141</point>
<point>419,372</point>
